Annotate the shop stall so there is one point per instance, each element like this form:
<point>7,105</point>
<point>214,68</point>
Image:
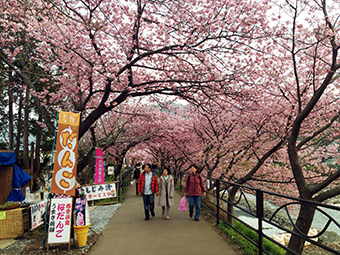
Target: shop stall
<point>14,220</point>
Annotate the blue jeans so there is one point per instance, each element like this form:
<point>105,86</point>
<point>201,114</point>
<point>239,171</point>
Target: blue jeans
<point>195,201</point>
<point>149,204</point>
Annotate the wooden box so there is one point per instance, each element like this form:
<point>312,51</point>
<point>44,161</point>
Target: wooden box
<point>12,226</point>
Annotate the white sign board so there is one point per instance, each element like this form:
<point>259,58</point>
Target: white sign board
<point>60,220</point>
<point>28,193</point>
<point>100,191</point>
<point>37,211</point>
<point>110,170</point>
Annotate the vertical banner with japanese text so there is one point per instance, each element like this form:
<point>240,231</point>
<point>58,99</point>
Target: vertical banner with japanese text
<point>99,175</point>
<point>65,163</point>
<point>60,220</point>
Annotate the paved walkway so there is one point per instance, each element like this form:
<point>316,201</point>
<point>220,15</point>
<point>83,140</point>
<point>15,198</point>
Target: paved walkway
<point>128,232</point>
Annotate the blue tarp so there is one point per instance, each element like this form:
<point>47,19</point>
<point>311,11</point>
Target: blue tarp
<point>7,158</point>
<point>20,178</point>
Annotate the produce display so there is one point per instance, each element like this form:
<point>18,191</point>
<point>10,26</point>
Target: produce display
<point>9,205</point>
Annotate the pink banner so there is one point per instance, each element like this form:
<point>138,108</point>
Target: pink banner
<point>99,174</point>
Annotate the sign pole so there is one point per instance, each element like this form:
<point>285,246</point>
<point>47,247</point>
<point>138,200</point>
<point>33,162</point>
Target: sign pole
<point>49,178</point>
<point>94,165</point>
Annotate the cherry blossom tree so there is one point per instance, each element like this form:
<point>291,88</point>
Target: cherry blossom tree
<point>306,85</point>
<point>102,53</point>
<point>163,148</point>
<point>120,130</point>
<point>303,90</point>
<point>311,44</point>
<point>262,76</point>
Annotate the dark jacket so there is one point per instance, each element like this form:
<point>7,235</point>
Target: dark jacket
<point>154,183</point>
<point>136,173</point>
<point>195,187</point>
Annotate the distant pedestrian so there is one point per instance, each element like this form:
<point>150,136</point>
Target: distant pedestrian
<point>148,186</point>
<point>154,168</point>
<point>136,175</point>
<point>194,187</point>
<point>166,192</point>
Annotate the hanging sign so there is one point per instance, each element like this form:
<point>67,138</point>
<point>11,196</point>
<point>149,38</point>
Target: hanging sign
<point>99,175</point>
<point>59,230</point>
<point>101,191</point>
<point>37,211</point>
<point>2,215</point>
<point>110,170</point>
<point>28,194</point>
<point>65,163</point>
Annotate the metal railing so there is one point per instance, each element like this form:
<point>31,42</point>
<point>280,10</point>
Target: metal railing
<point>254,203</point>
<point>124,180</point>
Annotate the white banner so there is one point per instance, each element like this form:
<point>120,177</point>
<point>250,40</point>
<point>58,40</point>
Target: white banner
<point>28,194</point>
<point>60,220</point>
<point>37,211</point>
<point>100,191</point>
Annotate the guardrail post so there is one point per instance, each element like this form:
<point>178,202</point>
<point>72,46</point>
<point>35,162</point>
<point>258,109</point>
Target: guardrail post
<point>180,182</point>
<point>259,213</point>
<point>119,186</point>
<point>217,202</point>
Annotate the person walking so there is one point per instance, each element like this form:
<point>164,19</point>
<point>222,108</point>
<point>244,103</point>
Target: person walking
<point>147,187</point>
<point>136,174</point>
<point>194,187</point>
<point>166,192</point>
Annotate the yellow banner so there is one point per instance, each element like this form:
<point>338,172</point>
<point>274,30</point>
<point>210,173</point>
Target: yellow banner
<point>69,118</point>
<point>64,172</point>
<point>2,215</point>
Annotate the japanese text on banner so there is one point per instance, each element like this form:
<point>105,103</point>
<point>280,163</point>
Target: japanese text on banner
<point>101,191</point>
<point>60,220</point>
<point>99,167</point>
<point>65,163</point>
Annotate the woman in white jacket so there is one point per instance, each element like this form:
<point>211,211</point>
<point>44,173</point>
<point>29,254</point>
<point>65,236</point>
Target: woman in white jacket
<point>166,192</point>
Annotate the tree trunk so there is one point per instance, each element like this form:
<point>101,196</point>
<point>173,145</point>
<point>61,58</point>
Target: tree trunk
<point>25,154</point>
<point>10,112</point>
<point>118,169</point>
<point>86,160</point>
<point>88,174</point>
<point>32,166</point>
<point>36,171</point>
<point>230,207</point>
<point>19,128</point>
<point>303,224</point>
<point>306,213</point>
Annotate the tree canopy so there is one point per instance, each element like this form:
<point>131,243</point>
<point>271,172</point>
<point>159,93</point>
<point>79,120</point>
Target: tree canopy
<point>259,80</point>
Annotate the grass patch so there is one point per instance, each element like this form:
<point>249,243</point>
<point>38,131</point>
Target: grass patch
<point>246,247</point>
<point>105,200</point>
<point>244,244</point>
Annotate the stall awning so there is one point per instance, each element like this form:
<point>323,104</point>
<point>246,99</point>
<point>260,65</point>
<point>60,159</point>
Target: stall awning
<point>7,158</point>
<point>20,178</point>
